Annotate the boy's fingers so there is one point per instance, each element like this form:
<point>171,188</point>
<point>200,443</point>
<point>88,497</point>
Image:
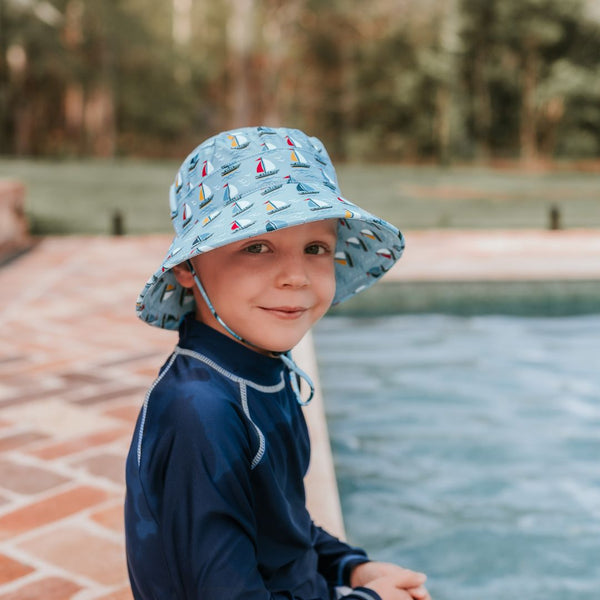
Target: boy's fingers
<point>407,578</point>
<point>419,593</point>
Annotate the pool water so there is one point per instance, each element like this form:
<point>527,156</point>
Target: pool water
<point>469,448</point>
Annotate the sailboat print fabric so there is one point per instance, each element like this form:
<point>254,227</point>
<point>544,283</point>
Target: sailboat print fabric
<point>246,182</point>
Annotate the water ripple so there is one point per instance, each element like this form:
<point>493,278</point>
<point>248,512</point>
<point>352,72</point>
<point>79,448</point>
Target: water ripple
<point>468,448</point>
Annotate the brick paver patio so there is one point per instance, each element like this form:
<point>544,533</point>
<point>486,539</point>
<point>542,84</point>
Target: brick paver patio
<point>74,366</point>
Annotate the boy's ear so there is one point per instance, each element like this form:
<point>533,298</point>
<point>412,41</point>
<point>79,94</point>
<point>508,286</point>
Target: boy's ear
<point>183,275</point>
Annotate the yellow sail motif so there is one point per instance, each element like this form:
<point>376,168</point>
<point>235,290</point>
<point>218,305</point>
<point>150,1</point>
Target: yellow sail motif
<point>238,141</point>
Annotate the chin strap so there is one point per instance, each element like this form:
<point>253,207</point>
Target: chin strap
<point>296,373</point>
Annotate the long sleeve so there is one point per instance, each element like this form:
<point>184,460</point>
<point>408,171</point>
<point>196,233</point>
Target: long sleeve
<point>336,558</point>
<point>207,518</point>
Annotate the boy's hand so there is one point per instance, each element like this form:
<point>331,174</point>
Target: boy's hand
<point>390,581</point>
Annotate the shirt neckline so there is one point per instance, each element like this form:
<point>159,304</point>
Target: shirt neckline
<point>230,354</point>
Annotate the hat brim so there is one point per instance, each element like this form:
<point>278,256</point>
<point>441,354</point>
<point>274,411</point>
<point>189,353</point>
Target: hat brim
<point>366,248</point>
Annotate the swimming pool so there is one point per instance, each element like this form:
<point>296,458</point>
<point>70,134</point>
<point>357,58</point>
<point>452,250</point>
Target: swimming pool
<point>469,448</point>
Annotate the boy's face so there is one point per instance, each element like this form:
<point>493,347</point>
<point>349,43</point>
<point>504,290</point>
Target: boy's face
<point>272,288</point>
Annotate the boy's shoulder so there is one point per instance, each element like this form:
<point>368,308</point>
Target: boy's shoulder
<point>200,409</point>
<point>189,388</point>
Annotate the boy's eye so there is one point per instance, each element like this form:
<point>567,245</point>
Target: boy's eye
<point>316,249</point>
<point>257,248</point>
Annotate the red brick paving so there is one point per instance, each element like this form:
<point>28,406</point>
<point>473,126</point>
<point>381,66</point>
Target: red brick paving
<point>75,363</point>
<point>48,588</point>
<point>11,441</point>
<point>79,444</point>
<point>128,412</point>
<point>12,569</point>
<point>50,509</point>
<point>25,479</point>
<point>108,465</point>
<point>79,551</point>
<point>110,517</point>
<point>122,594</point>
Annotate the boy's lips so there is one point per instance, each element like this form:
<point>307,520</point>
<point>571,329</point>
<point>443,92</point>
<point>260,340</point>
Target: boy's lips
<point>285,312</point>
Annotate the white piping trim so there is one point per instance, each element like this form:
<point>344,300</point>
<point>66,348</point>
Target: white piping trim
<point>243,383</point>
<point>145,407</point>
<point>261,447</point>
<point>269,389</point>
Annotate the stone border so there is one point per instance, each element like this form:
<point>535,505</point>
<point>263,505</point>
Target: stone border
<point>14,229</point>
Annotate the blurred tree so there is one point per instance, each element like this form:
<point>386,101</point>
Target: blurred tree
<point>399,79</point>
<point>278,73</point>
<point>398,72</point>
<point>479,41</point>
<point>441,62</point>
<point>532,30</point>
<point>34,69</point>
<point>523,68</point>
<point>157,79</point>
<point>240,41</point>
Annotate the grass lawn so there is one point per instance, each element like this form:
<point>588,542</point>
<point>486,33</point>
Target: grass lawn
<point>82,196</point>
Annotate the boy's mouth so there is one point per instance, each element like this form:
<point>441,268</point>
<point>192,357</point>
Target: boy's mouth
<point>285,312</point>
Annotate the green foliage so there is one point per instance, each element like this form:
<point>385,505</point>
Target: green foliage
<point>82,196</point>
<point>416,80</point>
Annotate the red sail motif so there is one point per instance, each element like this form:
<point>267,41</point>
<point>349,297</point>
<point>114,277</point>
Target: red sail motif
<point>264,168</point>
<point>292,142</point>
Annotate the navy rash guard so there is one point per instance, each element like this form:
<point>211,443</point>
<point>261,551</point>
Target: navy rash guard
<point>215,504</point>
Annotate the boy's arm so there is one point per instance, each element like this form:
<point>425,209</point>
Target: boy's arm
<point>345,565</point>
<point>207,520</point>
<point>336,558</point>
<point>207,523</point>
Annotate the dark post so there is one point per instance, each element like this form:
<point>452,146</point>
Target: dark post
<point>555,218</point>
<point>118,224</point>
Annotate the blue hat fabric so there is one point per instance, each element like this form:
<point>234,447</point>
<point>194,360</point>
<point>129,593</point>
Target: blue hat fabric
<point>246,182</point>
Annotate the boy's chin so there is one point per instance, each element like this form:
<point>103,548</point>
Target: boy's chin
<point>275,345</point>
<point>267,344</point>
<point>265,347</point>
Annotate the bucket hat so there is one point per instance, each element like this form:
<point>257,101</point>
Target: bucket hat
<point>246,182</point>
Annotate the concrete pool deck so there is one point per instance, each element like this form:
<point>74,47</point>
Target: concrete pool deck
<point>500,255</point>
<point>75,363</point>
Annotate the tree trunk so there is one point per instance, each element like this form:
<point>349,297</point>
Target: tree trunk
<point>4,83</point>
<point>74,95</point>
<point>182,22</point>
<point>482,100</point>
<point>442,123</point>
<point>528,126</point>
<point>278,85</point>
<point>100,121</point>
<point>482,109</point>
<point>74,109</point>
<point>554,112</point>
<point>240,30</point>
<point>449,48</point>
<point>100,105</point>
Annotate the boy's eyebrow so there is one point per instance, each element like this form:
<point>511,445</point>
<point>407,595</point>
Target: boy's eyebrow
<point>326,237</point>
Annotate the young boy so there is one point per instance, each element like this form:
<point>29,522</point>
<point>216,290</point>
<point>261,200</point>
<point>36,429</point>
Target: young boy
<point>215,506</point>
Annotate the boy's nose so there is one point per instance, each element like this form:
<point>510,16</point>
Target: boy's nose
<point>292,272</point>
